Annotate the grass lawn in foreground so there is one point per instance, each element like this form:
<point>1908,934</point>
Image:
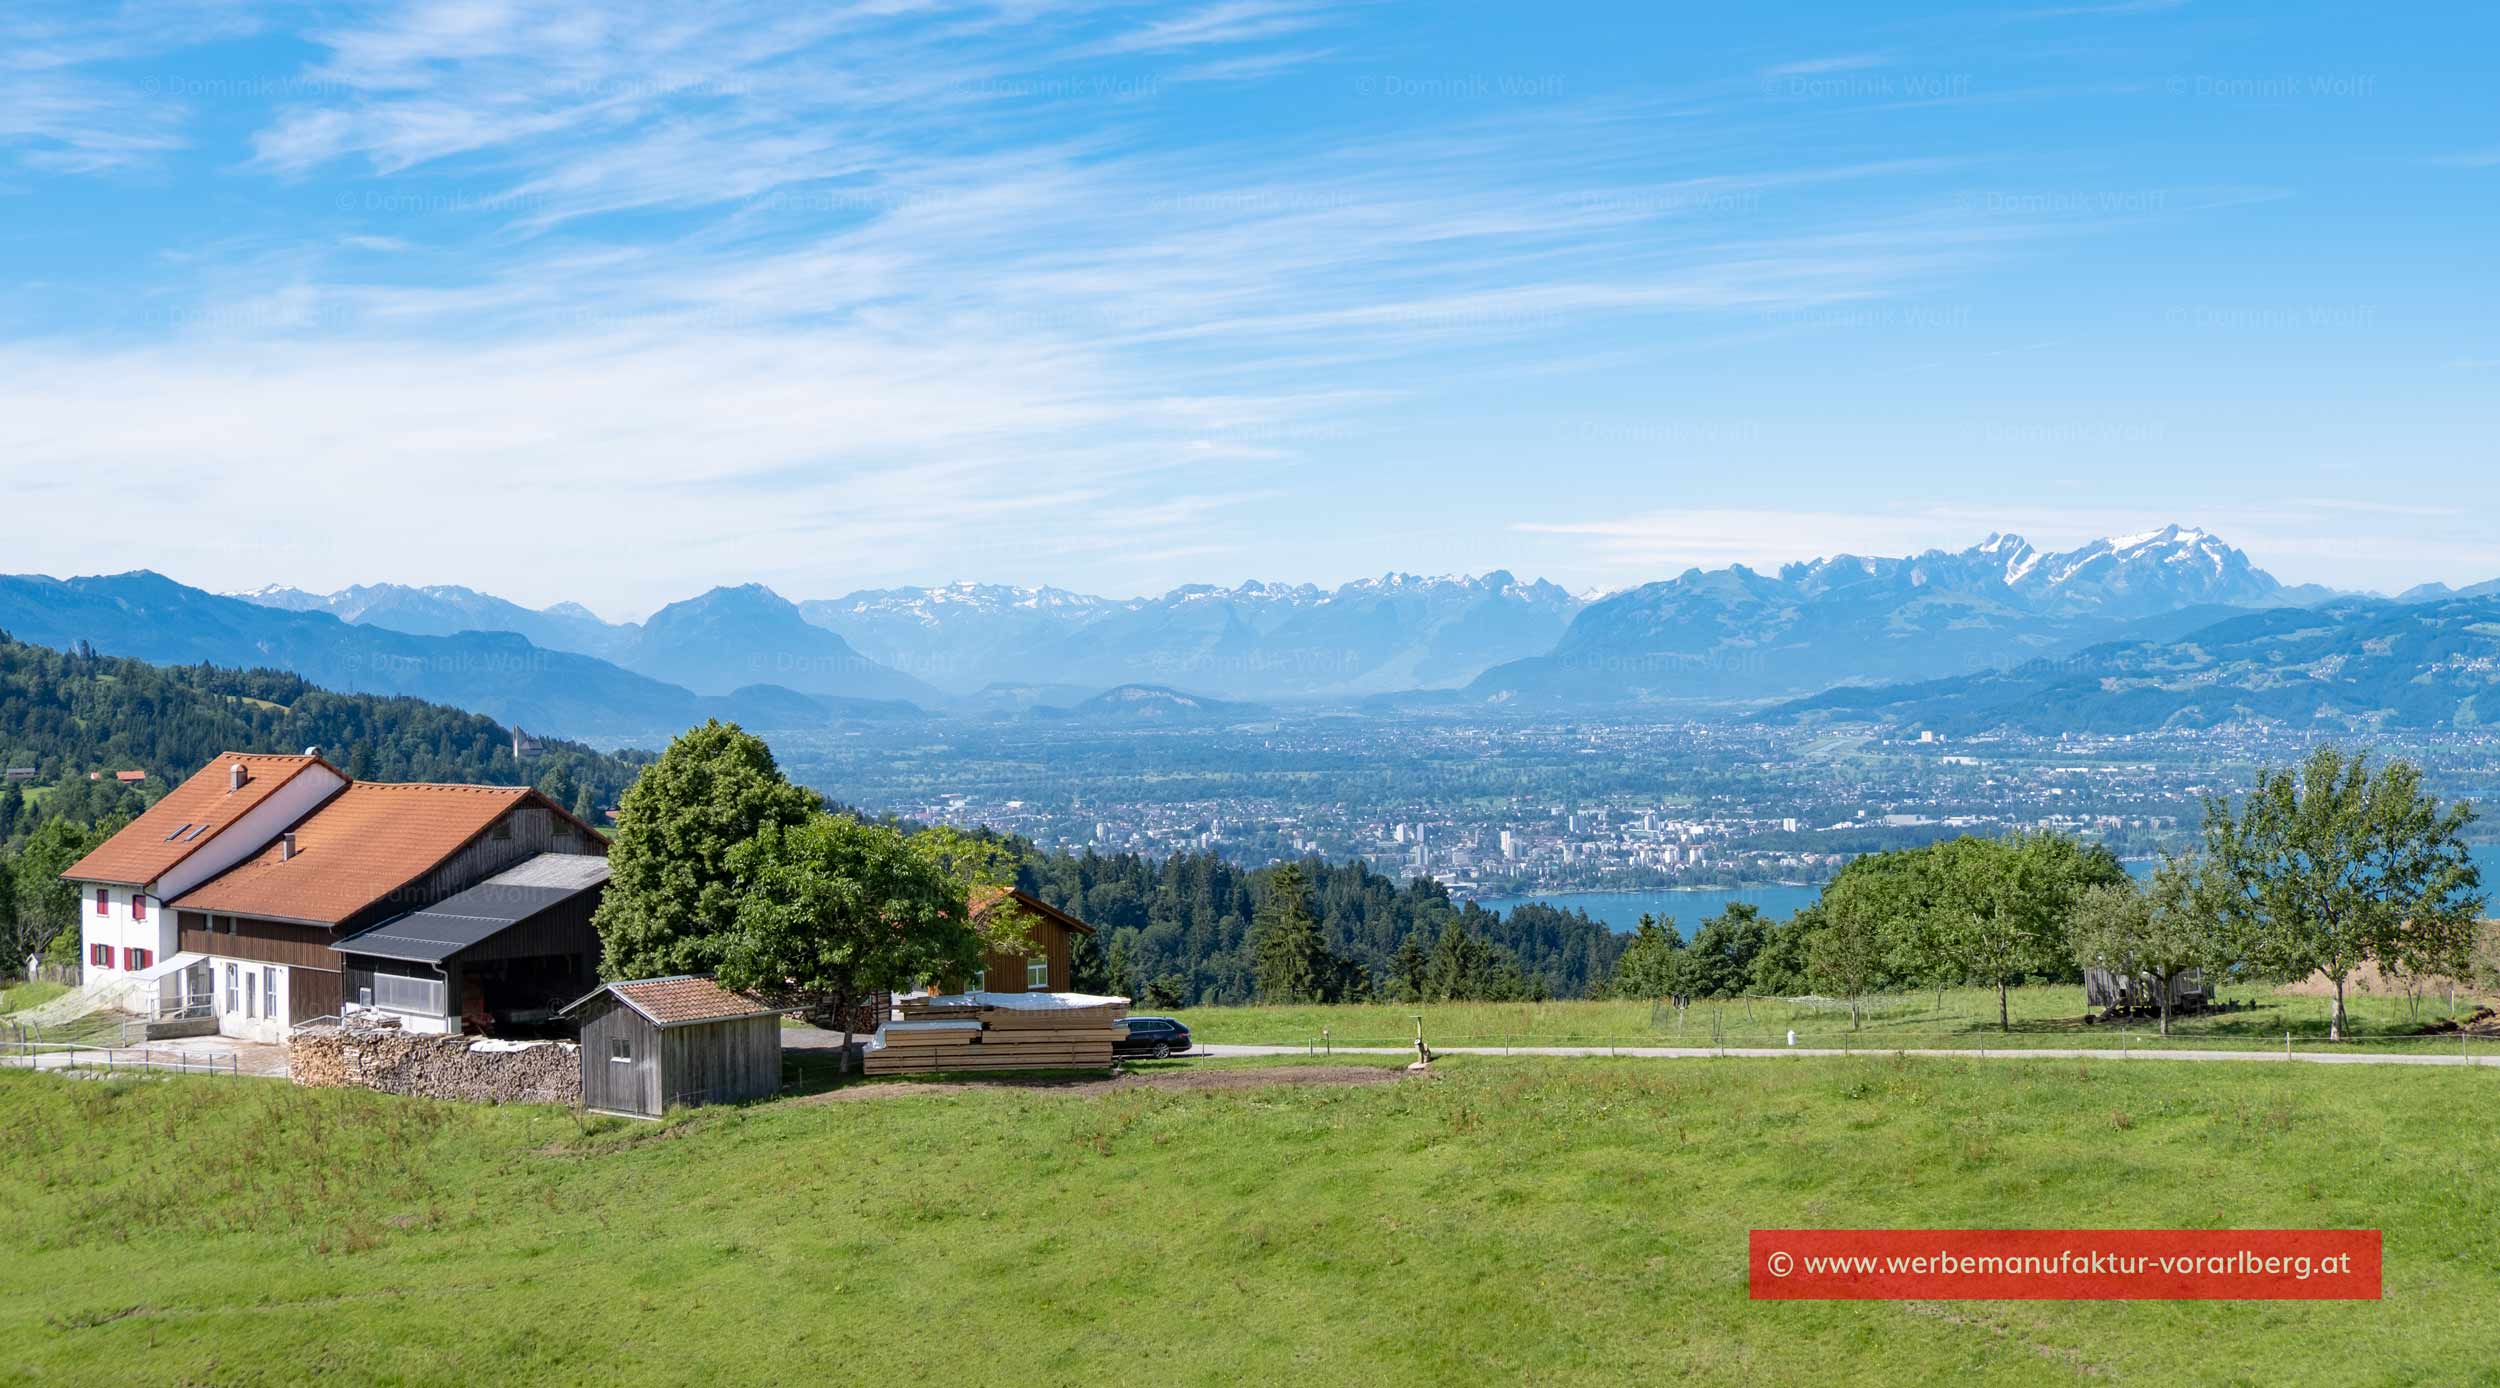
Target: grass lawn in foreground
<point>1967,1017</point>
<point>1507,1220</point>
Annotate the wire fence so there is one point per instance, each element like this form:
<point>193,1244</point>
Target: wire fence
<point>2115,1043</point>
<point>65,1055</point>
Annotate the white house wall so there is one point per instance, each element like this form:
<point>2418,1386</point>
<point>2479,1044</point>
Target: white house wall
<point>117,928</point>
<point>237,841</point>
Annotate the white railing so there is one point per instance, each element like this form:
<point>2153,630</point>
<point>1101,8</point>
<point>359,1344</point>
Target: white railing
<point>399,993</point>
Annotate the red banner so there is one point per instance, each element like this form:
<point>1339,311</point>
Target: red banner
<point>2065,1264</point>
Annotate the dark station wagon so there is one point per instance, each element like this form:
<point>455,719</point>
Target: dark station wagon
<point>1155,1036</point>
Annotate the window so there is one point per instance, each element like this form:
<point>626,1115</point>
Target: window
<point>103,901</point>
<point>100,955</point>
<point>231,991</point>
<point>138,906</point>
<point>269,992</point>
<point>1037,976</point>
<point>620,1050</point>
<point>138,958</point>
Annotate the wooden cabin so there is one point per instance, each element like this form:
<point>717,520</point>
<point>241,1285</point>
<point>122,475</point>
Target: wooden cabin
<point>1047,964</point>
<point>652,1044</point>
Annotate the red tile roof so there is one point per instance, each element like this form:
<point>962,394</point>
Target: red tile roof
<point>188,817</point>
<point>987,899</point>
<point>362,846</point>
<point>683,1000</point>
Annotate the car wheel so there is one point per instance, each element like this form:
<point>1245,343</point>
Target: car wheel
<point>1163,1050</point>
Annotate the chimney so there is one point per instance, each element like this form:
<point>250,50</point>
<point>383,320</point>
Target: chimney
<point>236,776</point>
<point>286,845</point>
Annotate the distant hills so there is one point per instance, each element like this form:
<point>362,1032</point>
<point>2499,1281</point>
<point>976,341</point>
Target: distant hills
<point>501,674</point>
<point>2346,666</point>
<point>1148,704</point>
<point>1735,634</point>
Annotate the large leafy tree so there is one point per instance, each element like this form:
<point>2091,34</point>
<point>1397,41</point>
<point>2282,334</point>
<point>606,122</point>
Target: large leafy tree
<point>2335,864</point>
<point>1852,940</point>
<point>982,866</point>
<point>2156,932</point>
<point>1648,968</point>
<point>672,893</point>
<point>1719,961</point>
<point>1996,909</point>
<point>832,911</point>
<point>41,910</point>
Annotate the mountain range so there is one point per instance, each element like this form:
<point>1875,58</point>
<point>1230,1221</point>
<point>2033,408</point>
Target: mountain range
<point>1865,628</point>
<point>1252,641</point>
<point>1735,634</point>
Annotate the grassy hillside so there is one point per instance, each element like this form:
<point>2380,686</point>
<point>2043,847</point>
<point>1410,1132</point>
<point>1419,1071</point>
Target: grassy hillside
<point>1559,1222</point>
<point>2044,1016</point>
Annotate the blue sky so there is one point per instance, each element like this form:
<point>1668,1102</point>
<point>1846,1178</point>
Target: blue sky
<point>617,303</point>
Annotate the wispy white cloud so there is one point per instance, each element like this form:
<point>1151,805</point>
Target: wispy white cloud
<point>864,292</point>
<point>1226,22</point>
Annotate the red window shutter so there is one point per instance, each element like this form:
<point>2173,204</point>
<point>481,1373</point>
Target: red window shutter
<point>138,906</point>
<point>103,900</point>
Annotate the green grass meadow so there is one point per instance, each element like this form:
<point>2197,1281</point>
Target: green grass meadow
<point>16,997</point>
<point>2051,1016</point>
<point>1504,1221</point>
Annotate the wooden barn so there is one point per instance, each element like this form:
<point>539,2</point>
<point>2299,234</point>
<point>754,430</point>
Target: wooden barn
<point>653,1044</point>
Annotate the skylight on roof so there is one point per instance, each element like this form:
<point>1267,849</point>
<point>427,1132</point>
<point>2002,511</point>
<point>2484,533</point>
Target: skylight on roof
<point>177,833</point>
<point>202,829</point>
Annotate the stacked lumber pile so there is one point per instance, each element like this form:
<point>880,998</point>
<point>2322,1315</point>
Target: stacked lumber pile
<point>999,1031</point>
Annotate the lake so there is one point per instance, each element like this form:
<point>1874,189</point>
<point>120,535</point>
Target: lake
<point>1623,910</point>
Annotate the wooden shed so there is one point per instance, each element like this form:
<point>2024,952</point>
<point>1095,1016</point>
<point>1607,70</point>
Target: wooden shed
<point>653,1044</point>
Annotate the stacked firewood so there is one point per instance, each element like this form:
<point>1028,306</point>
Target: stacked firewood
<point>436,1067</point>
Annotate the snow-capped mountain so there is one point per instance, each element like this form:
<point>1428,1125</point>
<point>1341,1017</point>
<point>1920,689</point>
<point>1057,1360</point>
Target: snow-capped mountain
<point>442,610</point>
<point>1255,639</point>
<point>1848,619</point>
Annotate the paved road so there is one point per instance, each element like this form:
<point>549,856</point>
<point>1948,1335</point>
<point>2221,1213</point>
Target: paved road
<point>2009,1053</point>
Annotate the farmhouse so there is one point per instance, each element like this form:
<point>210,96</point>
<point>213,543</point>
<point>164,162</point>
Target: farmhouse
<point>232,897</point>
<point>653,1044</point>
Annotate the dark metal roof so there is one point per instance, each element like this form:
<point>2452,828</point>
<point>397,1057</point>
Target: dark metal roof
<point>479,914</point>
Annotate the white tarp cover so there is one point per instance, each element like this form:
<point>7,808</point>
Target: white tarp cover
<point>1026,1002</point>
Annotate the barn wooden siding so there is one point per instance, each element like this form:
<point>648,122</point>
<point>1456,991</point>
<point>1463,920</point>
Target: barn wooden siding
<point>1056,943</point>
<point>316,986</point>
<point>614,1086</point>
<point>527,830</point>
<point>720,1062</point>
<point>676,1067</point>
